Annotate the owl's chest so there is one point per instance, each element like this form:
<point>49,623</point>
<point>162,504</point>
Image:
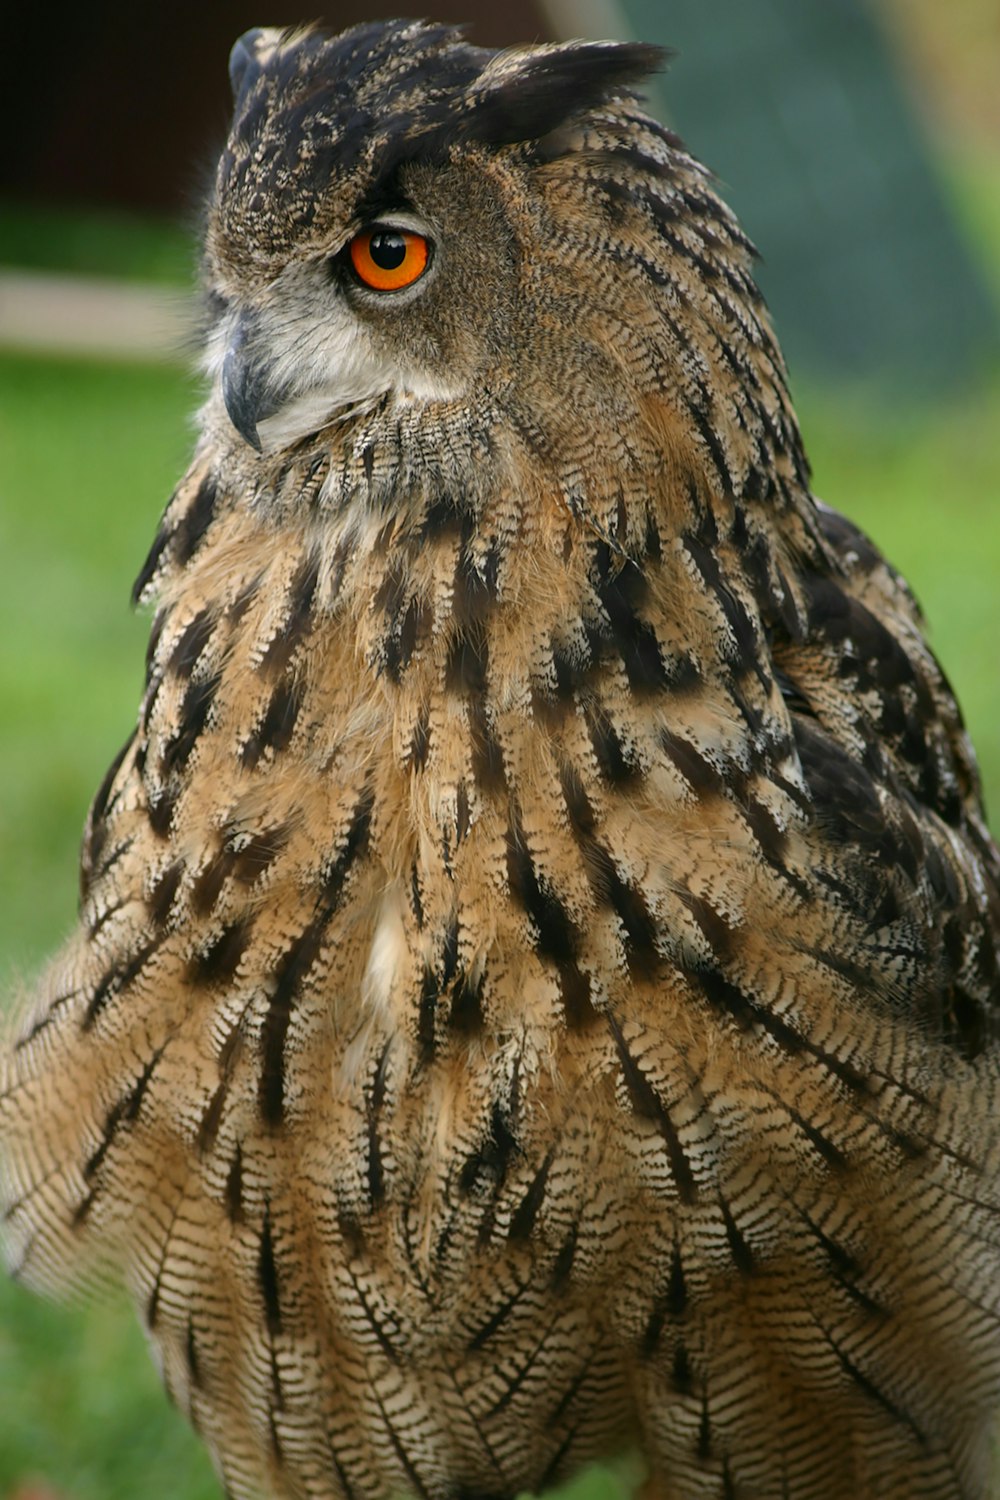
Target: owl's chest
<point>484,1260</point>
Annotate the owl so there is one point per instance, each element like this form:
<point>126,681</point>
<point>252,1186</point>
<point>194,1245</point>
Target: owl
<point>535,993</point>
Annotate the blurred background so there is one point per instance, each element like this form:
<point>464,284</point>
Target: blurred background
<point>859,140</point>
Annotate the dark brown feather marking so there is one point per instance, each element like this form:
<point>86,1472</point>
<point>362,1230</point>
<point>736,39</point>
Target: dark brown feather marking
<point>258,853</point>
<point>160,809</point>
<point>436,982</point>
<point>353,847</point>
<point>151,566</point>
<point>234,1187</point>
<point>196,636</point>
<point>870,1389</point>
<point>298,622</point>
<point>670,1306</point>
<point>522,1221</point>
<point>698,772</point>
<point>641,951</point>
<point>743,1256</point>
<point>289,977</point>
<point>746,642</point>
<point>218,960</point>
<point>557,939</point>
<point>205,889</point>
<point>122,1112</point>
<point>623,590</point>
<point>404,638</point>
<point>615,766</point>
<point>467,667</point>
<point>420,739</point>
<point>161,897</point>
<point>116,979</point>
<point>486,1169</point>
<point>195,711</point>
<point>278,724</point>
<point>208,1129</point>
<point>191,1355</point>
<point>562,1268</point>
<point>374,1102</point>
<point>267,1278</point>
<point>718,933</point>
<point>98,809</point>
<point>193,525</point>
<point>649,1106</point>
<point>298,960</point>
<point>476,590</point>
<point>466,1015</point>
<point>681,1373</point>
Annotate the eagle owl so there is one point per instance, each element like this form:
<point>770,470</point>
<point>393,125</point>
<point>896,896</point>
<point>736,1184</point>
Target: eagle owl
<point>535,993</point>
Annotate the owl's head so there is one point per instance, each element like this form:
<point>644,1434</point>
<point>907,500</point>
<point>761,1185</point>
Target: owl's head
<point>402,219</point>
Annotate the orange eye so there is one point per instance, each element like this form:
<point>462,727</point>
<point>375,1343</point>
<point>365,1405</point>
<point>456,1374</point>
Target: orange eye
<point>389,259</point>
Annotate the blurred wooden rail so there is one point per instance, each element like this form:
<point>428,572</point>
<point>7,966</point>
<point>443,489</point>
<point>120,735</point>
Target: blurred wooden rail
<point>91,316</point>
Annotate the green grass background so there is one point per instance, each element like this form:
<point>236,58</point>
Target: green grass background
<point>88,456</point>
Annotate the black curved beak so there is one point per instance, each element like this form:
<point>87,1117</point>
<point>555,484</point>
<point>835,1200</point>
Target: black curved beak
<point>246,389</point>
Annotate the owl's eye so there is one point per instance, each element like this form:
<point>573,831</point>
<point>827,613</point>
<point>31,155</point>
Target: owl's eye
<point>388,259</point>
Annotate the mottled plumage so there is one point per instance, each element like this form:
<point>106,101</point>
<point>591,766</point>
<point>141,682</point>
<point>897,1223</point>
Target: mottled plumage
<point>536,990</point>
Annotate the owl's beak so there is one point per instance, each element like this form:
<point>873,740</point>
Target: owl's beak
<point>246,388</point>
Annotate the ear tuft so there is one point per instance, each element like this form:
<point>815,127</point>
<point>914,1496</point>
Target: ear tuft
<point>241,58</point>
<point>528,102</point>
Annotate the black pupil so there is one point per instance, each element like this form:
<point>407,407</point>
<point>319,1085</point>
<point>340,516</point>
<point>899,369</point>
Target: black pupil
<point>388,249</point>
